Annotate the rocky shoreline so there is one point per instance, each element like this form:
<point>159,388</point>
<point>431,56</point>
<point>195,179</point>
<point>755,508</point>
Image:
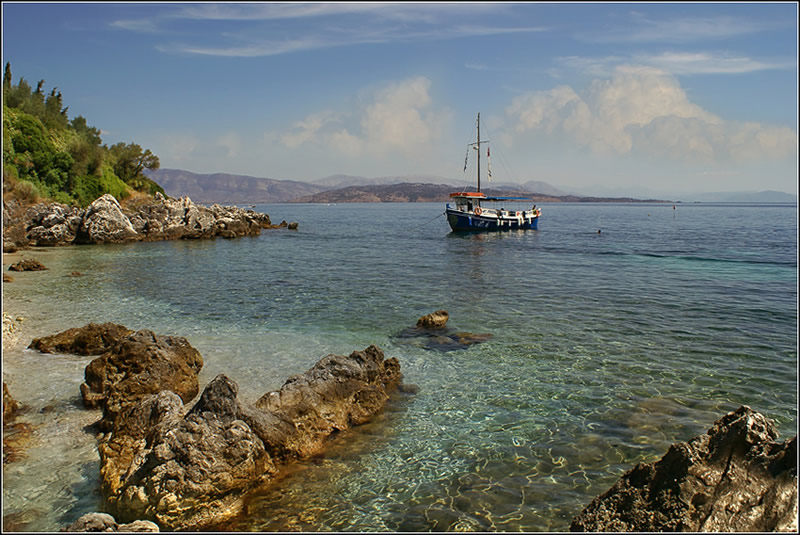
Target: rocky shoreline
<point>107,221</point>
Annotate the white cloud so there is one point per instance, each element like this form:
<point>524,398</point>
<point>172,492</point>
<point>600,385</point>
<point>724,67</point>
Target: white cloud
<point>643,111</point>
<point>346,143</point>
<point>398,118</point>
<point>305,130</point>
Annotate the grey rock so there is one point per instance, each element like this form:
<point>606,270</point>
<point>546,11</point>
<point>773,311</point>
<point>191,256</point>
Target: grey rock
<point>735,477</point>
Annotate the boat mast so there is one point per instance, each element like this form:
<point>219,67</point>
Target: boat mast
<point>478,147</point>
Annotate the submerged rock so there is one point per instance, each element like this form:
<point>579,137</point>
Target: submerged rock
<point>189,471</point>
<point>105,522</point>
<point>10,406</point>
<point>735,477</point>
<point>431,332</point>
<point>27,264</point>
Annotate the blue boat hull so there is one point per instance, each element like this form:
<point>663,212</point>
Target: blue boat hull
<point>463,221</point>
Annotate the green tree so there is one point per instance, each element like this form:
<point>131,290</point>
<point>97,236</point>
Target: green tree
<point>131,161</point>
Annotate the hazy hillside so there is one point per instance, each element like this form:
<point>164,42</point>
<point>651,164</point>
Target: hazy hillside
<point>417,192</point>
<point>228,188</point>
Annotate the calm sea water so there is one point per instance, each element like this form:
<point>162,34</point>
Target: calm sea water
<point>607,347</point>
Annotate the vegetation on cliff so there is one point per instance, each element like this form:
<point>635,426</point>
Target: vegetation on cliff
<point>48,156</point>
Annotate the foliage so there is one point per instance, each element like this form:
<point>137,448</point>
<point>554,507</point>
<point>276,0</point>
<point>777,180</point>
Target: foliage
<point>45,154</point>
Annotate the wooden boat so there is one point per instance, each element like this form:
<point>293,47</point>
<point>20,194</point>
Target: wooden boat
<point>475,211</point>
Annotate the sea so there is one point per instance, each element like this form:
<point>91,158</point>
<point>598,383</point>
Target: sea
<point>616,331</point>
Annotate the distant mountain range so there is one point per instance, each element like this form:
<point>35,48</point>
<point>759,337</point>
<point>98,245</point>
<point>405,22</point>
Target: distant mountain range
<point>231,189</point>
<point>420,192</point>
<point>225,188</point>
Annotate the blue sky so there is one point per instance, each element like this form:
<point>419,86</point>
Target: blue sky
<point>590,97</point>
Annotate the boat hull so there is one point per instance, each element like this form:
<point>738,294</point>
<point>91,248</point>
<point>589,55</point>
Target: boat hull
<point>470,222</point>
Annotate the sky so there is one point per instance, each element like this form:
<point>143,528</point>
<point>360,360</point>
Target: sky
<point>592,98</point>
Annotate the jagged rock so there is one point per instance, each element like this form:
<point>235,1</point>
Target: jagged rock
<point>141,363</point>
<point>91,339</point>
<point>105,522</point>
<point>53,224</point>
<point>736,477</point>
<point>434,320</point>
<point>131,365</point>
<point>186,472</point>
<point>104,222</point>
<point>27,264</point>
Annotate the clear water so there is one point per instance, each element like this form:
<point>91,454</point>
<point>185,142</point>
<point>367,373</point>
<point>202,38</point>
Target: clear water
<point>606,349</point>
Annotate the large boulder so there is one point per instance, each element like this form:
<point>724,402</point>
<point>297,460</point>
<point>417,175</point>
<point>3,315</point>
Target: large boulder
<point>140,364</point>
<point>736,477</point>
<point>53,224</point>
<point>130,365</point>
<point>105,222</point>
<point>189,471</point>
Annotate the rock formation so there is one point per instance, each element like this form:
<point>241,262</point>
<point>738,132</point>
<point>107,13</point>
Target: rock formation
<point>27,264</point>
<point>736,477</point>
<point>131,365</point>
<point>187,471</point>
<point>431,332</point>
<point>107,221</point>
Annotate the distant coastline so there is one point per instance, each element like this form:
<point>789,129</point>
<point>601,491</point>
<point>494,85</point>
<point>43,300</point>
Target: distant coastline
<point>226,188</point>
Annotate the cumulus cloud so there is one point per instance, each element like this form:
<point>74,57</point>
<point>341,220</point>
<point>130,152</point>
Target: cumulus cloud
<point>398,118</point>
<point>306,129</point>
<point>644,111</point>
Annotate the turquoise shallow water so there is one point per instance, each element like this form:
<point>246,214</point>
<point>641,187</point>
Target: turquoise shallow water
<point>605,349</point>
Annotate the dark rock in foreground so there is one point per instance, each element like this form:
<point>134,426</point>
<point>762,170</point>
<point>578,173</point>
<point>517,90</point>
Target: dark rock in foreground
<point>431,332</point>
<point>188,471</point>
<point>733,478</point>
<point>131,365</point>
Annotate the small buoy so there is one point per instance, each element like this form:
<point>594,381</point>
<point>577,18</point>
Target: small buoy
<point>599,231</point>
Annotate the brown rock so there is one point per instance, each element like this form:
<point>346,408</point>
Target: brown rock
<point>736,477</point>
<point>91,339</point>
<point>27,264</point>
<point>10,406</point>
<point>435,320</point>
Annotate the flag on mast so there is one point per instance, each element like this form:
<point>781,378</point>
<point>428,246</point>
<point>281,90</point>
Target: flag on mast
<point>488,163</point>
